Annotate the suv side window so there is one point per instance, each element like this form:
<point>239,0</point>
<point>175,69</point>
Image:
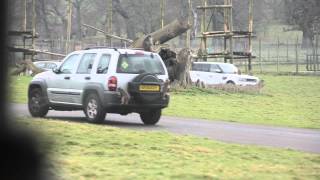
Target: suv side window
<point>69,64</point>
<point>86,63</point>
<point>205,67</point>
<point>103,64</point>
<point>215,68</point>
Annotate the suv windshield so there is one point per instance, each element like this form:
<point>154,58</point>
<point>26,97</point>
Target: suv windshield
<point>138,64</point>
<point>229,68</point>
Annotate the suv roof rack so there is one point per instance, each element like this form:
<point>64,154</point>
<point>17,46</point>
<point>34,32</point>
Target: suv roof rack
<point>101,47</point>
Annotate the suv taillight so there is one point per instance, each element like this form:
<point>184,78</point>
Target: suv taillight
<point>112,83</point>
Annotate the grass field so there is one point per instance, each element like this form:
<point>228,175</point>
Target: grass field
<point>291,101</point>
<point>86,151</point>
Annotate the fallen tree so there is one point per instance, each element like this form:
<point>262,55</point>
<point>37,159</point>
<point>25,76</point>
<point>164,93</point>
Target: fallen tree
<point>178,65</point>
<point>168,32</point>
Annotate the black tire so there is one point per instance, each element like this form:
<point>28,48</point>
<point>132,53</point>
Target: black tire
<point>231,83</point>
<point>93,109</point>
<point>151,117</point>
<point>37,103</point>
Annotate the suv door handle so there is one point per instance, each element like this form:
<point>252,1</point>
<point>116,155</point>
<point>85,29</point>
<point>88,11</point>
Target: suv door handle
<point>67,77</point>
<point>87,78</point>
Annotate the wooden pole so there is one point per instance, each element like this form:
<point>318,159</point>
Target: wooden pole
<point>110,21</point>
<point>260,58</point>
<point>203,26</point>
<point>24,27</point>
<point>225,28</point>
<point>297,60</point>
<point>287,50</point>
<point>231,30</point>
<point>278,46</point>
<point>162,5</point>
<point>34,15</point>
<point>317,55</point>
<point>250,28</point>
<point>69,19</point>
<point>188,43</point>
<point>314,56</point>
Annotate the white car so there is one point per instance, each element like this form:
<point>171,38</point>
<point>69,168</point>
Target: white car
<point>213,73</point>
<point>47,65</point>
<point>103,80</point>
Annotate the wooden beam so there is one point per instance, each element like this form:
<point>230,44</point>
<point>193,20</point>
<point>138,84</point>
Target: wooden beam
<point>109,35</point>
<point>32,51</point>
<point>214,6</point>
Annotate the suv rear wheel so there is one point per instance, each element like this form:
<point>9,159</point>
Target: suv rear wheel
<point>93,109</point>
<point>151,117</point>
<point>37,104</point>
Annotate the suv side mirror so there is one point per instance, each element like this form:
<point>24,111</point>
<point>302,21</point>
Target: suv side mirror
<point>218,71</point>
<point>56,70</point>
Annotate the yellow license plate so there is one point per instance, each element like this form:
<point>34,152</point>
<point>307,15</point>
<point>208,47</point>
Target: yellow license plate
<point>153,88</point>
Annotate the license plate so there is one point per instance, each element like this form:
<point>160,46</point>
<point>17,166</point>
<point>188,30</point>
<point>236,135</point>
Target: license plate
<point>152,88</point>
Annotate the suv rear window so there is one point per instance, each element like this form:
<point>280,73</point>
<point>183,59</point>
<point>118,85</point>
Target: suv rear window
<point>138,64</point>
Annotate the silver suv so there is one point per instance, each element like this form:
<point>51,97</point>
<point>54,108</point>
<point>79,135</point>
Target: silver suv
<point>100,81</point>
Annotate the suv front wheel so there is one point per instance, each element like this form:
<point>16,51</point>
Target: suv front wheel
<point>151,117</point>
<point>93,109</point>
<point>37,104</point>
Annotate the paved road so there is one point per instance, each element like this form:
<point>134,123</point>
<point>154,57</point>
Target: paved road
<point>291,138</point>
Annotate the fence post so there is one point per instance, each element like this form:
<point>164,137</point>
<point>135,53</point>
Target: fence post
<point>314,56</point>
<point>278,46</point>
<point>297,61</point>
<point>269,53</point>
<point>317,55</point>
<point>260,56</point>
<point>287,50</point>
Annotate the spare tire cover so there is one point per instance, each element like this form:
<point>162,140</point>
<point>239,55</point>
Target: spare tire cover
<point>145,97</point>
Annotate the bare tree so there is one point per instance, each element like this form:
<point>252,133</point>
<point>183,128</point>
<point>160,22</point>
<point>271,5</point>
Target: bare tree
<point>305,16</point>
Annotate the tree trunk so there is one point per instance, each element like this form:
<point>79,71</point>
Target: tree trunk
<point>78,17</point>
<point>165,34</point>
<point>183,67</point>
<point>45,19</point>
<point>307,38</point>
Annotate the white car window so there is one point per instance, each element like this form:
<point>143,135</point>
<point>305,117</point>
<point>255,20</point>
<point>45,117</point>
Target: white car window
<point>69,64</point>
<point>41,65</point>
<point>103,64</point>
<point>51,65</point>
<point>86,63</point>
<point>228,68</point>
<point>201,67</point>
<point>215,68</point>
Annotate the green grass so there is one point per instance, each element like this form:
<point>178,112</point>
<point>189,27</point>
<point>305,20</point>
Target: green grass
<point>86,151</point>
<point>19,88</point>
<point>291,101</point>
